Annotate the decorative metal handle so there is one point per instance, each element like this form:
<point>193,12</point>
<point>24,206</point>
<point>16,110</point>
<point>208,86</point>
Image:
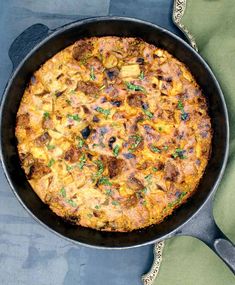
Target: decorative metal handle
<point>178,13</point>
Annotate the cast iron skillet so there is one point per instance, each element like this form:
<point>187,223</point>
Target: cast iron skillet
<point>37,44</point>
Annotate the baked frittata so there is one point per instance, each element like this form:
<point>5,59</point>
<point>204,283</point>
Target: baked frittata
<point>113,133</point>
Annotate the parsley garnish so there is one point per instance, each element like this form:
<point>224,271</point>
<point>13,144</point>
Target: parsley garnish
<point>138,140</point>
<point>115,203</point>
<point>104,181</point>
<point>68,167</point>
<point>80,142</point>
<point>108,192</point>
<point>51,162</point>
<point>184,116</point>
<point>144,202</point>
<point>148,113</point>
<point>144,190</point>
<point>141,75</point>
<point>134,87</point>
<point>97,207</point>
<point>155,149</point>
<point>180,105</point>
<point>95,145</point>
<point>82,161</point>
<point>116,150</point>
<point>46,115</point>
<point>103,111</point>
<point>148,177</point>
<point>92,74</point>
<point>74,117</point>
<point>72,203</point>
<point>100,167</point>
<point>155,169</point>
<point>50,147</point>
<point>63,192</point>
<point>179,153</point>
<point>178,200</point>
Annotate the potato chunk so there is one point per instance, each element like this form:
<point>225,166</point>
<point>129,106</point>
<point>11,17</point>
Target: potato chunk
<point>130,71</point>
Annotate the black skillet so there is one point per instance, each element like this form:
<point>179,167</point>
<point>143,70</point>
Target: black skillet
<point>37,44</point>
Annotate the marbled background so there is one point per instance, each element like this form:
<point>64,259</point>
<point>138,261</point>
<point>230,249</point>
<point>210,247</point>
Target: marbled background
<point>30,254</point>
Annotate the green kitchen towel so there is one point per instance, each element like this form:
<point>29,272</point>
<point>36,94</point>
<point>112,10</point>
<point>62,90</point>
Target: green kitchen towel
<point>185,260</point>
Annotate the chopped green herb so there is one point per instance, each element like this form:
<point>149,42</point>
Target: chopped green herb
<point>142,75</point>
<point>115,203</point>
<point>180,105</point>
<point>68,101</point>
<point>165,147</point>
<point>160,128</point>
<point>51,162</point>
<point>155,149</point>
<point>46,115</point>
<point>92,74</point>
<point>80,142</point>
<point>148,113</point>
<point>103,111</point>
<point>50,146</point>
<point>95,144</point>
<point>97,207</point>
<point>116,150</point>
<point>68,167</point>
<point>184,116</point>
<point>72,92</point>
<point>89,215</point>
<point>134,87</point>
<point>108,192</point>
<point>179,153</point>
<point>148,177</point>
<point>63,192</point>
<point>72,203</point>
<point>104,181</point>
<point>144,190</point>
<point>155,169</point>
<point>178,200</point>
<point>138,140</point>
<point>100,168</point>
<point>144,202</point>
<point>74,117</point>
<point>102,87</point>
<point>82,161</point>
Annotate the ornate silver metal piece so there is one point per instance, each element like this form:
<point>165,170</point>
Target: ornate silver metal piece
<point>149,277</point>
<point>178,12</point>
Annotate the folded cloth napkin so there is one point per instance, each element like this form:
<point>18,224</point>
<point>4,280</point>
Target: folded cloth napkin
<point>210,26</point>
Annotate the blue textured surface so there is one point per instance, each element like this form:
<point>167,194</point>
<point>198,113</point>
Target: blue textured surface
<point>29,254</point>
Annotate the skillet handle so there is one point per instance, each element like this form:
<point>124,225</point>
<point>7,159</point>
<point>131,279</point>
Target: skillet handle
<point>203,227</point>
<point>25,42</point>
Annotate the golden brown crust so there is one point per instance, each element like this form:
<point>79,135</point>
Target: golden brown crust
<point>113,133</point>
